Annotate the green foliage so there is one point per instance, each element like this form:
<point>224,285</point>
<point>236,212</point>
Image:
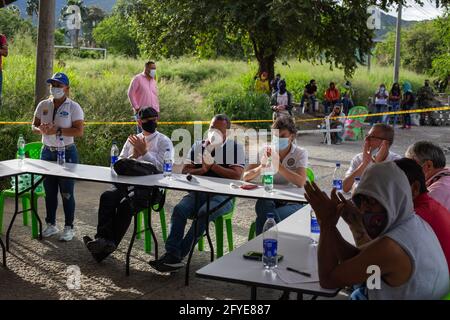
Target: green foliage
<point>441,64</point>
<point>11,24</point>
<point>115,34</point>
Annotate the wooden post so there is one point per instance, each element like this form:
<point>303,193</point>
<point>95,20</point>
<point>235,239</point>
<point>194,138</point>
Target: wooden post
<point>44,56</point>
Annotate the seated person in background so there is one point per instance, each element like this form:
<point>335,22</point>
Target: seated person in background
<point>405,249</point>
<point>336,137</point>
<point>332,96</point>
<point>114,213</point>
<point>431,158</point>
<point>375,150</point>
<point>293,160</point>
<point>437,216</point>
<point>274,83</point>
<point>215,157</point>
<point>262,83</point>
<point>309,94</point>
<point>281,101</point>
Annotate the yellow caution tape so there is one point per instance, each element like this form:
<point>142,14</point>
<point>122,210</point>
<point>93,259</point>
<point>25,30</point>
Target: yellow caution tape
<point>444,108</point>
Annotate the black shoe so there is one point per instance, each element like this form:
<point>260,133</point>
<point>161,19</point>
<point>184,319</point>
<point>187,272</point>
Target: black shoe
<point>167,263</point>
<point>99,248</point>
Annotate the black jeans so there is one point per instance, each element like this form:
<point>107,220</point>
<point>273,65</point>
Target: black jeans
<point>114,216</point>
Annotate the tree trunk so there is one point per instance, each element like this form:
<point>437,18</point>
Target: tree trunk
<point>44,57</point>
<point>267,64</point>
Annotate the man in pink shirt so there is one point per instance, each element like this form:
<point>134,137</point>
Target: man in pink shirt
<point>143,92</point>
<point>432,160</point>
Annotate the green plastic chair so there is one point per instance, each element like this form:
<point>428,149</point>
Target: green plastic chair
<point>33,151</point>
<point>252,232</point>
<point>143,215</point>
<point>353,128</point>
<point>446,297</point>
<point>218,223</point>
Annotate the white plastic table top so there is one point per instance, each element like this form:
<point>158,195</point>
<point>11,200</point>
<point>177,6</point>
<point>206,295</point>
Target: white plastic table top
<point>177,181</point>
<point>293,243</point>
<point>7,171</point>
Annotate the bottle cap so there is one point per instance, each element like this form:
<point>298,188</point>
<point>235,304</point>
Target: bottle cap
<point>357,178</point>
<point>270,215</point>
<point>338,164</point>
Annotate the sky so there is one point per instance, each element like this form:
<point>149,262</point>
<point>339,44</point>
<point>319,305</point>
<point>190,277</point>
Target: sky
<point>416,12</point>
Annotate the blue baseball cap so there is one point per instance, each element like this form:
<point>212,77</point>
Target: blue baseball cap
<point>59,77</point>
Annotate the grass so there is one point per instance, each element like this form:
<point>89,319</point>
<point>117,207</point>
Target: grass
<point>189,89</point>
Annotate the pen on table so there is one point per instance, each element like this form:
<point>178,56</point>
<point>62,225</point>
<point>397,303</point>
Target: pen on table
<point>299,272</point>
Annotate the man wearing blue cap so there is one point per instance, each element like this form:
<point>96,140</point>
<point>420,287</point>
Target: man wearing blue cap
<point>55,118</point>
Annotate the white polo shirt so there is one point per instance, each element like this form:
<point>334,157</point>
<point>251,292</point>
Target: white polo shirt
<point>296,158</point>
<point>65,115</point>
<point>358,159</point>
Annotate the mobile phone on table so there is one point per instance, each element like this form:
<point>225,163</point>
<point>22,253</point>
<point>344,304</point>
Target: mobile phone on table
<point>255,255</point>
<point>248,186</point>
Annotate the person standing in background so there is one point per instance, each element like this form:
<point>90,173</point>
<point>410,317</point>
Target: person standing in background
<point>3,53</point>
<point>143,91</point>
<point>59,117</point>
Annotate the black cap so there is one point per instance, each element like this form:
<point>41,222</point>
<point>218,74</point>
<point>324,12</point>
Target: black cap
<point>147,113</point>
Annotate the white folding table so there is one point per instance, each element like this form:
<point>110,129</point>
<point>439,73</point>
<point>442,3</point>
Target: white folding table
<point>199,184</point>
<point>294,244</point>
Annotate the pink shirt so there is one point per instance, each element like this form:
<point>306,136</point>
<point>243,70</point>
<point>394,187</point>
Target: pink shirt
<point>439,187</point>
<point>143,93</point>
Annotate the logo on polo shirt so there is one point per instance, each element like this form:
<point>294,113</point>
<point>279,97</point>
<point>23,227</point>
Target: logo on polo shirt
<point>64,114</point>
<point>45,112</point>
<point>291,162</point>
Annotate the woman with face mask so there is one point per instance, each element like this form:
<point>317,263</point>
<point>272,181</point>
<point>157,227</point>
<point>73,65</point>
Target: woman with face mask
<point>55,118</point>
<point>281,101</point>
<point>381,101</point>
<point>289,162</point>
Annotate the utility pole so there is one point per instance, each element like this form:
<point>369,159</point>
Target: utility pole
<point>397,44</point>
<point>44,56</point>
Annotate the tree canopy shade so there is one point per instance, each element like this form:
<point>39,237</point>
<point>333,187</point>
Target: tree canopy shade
<point>331,31</point>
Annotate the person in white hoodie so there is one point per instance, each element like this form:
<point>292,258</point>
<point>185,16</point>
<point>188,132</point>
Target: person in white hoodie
<point>402,246</point>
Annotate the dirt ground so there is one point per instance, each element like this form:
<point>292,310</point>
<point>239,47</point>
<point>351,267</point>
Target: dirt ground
<point>39,269</point>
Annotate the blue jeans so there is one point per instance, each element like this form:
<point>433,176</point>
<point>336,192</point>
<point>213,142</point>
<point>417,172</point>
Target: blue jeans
<point>263,207</point>
<point>312,100</point>
<point>65,186</point>
<point>379,109</point>
<point>407,116</point>
<point>395,106</point>
<point>179,245</point>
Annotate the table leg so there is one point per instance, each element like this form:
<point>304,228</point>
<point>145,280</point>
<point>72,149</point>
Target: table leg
<point>195,225</point>
<point>130,247</point>
<point>16,210</point>
<point>208,236</point>
<point>155,241</point>
<point>253,293</point>
<point>299,296</point>
<point>3,252</point>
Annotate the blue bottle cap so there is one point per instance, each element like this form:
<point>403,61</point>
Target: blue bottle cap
<point>270,215</point>
<point>338,164</point>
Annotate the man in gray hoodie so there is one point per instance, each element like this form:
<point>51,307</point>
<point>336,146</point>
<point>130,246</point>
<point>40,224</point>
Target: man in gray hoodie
<point>402,247</point>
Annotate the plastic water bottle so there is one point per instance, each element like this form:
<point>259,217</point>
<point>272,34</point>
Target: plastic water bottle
<point>168,163</point>
<point>268,176</point>
<point>21,147</point>
<point>315,228</point>
<point>355,184</point>
<point>338,177</point>
<point>270,242</point>
<point>60,151</point>
<point>114,154</point>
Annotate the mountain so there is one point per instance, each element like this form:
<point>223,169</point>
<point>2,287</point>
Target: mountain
<point>389,23</point>
<point>103,4</point>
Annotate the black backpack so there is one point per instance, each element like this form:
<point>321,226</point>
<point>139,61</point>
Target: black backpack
<point>139,197</point>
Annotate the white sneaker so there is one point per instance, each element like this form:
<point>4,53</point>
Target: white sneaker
<point>67,234</point>
<point>50,230</point>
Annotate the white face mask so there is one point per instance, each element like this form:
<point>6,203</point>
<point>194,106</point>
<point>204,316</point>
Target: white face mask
<point>57,93</point>
<point>152,73</point>
<point>214,137</point>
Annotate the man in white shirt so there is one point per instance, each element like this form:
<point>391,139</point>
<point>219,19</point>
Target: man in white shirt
<point>375,150</point>
<point>114,214</point>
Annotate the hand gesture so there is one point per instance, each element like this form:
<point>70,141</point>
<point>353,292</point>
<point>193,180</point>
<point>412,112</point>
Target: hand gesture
<point>139,145</point>
<point>367,157</point>
<point>324,207</point>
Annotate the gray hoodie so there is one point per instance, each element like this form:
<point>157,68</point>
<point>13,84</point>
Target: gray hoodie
<point>387,183</point>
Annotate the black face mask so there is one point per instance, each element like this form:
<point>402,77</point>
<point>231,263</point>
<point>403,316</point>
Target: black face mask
<point>149,126</point>
<point>282,89</point>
